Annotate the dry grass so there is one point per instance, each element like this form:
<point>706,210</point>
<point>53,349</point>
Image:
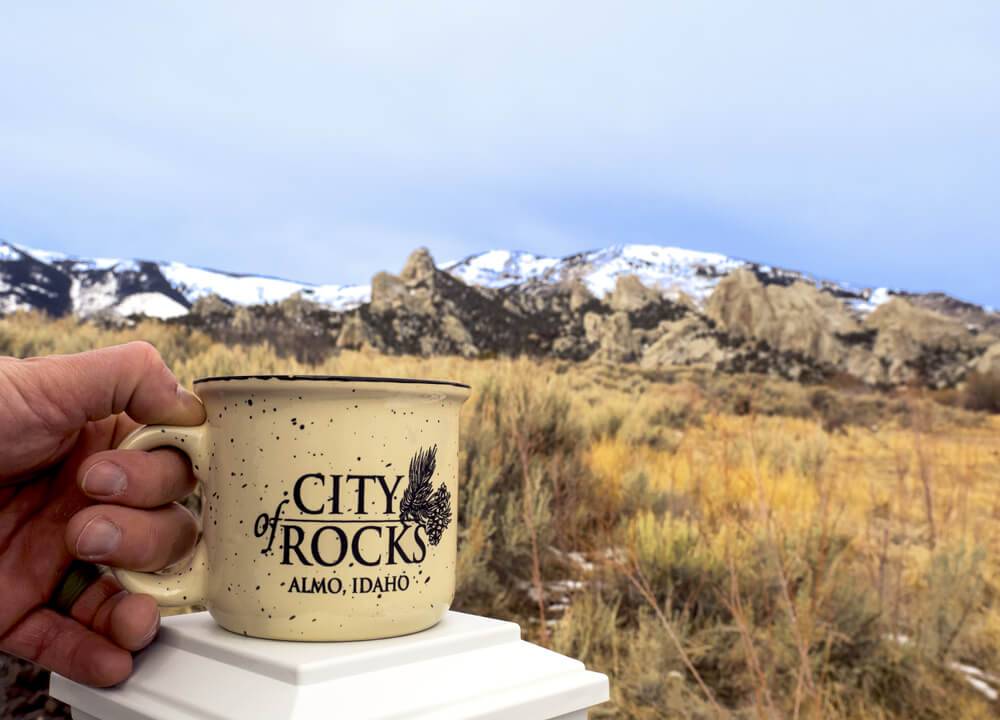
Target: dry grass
<point>721,546</point>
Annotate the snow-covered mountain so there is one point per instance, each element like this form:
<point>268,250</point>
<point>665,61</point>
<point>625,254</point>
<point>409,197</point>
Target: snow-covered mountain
<point>670,269</point>
<point>676,272</point>
<point>59,283</point>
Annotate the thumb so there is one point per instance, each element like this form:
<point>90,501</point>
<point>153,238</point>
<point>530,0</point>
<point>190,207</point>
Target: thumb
<point>94,385</point>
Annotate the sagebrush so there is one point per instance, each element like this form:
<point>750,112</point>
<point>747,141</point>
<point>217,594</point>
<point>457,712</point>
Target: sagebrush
<point>720,546</point>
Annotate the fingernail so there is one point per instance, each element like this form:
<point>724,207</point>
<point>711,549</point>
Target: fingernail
<point>186,396</point>
<point>148,637</point>
<point>99,537</point>
<point>104,478</point>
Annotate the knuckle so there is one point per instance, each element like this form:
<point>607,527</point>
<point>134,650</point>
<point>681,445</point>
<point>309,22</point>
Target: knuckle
<point>171,534</point>
<point>147,353</point>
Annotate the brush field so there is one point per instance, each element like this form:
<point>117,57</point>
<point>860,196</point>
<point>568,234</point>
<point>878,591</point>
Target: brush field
<point>721,546</point>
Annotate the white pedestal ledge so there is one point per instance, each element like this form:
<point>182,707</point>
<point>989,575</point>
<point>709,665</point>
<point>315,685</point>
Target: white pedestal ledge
<point>466,667</point>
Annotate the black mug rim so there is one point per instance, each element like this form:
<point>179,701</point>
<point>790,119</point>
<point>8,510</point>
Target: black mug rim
<point>332,378</point>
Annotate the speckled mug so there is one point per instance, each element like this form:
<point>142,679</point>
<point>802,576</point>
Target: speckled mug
<point>328,505</point>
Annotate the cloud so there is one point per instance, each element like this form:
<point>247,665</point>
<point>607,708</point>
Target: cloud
<point>847,139</point>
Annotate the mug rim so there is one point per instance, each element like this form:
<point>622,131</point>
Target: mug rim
<point>332,378</point>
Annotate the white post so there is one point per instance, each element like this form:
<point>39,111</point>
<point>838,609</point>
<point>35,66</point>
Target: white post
<point>463,668</point>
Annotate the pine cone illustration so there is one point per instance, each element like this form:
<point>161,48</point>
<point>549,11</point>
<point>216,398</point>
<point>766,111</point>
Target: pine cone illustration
<point>421,503</point>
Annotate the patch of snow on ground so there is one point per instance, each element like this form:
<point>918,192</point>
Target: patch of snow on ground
<point>978,679</point>
<point>500,268</point>
<point>666,268</point>
<point>90,298</point>
<point>194,283</point>
<point>12,304</point>
<point>41,290</point>
<point>339,297</point>
<point>878,296</point>
<point>45,256</point>
<point>8,253</point>
<point>116,264</point>
<point>671,269</point>
<point>150,304</point>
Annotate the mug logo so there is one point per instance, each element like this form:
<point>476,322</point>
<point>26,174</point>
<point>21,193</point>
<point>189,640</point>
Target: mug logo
<point>354,520</point>
<point>421,503</point>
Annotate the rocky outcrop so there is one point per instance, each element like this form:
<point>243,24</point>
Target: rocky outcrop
<point>989,362</point>
<point>692,340</point>
<point>753,322</point>
<point>797,317</point>
<point>425,311</point>
<point>974,317</point>
<point>917,345</point>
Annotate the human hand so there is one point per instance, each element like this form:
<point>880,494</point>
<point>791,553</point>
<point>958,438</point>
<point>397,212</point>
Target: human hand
<point>65,491</point>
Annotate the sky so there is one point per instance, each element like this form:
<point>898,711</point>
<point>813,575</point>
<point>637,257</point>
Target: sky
<point>323,141</point>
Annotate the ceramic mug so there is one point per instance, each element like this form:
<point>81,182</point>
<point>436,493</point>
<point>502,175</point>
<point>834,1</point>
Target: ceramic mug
<point>328,505</point>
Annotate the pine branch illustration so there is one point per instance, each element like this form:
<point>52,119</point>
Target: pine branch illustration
<point>439,515</point>
<point>421,503</point>
<point>419,488</point>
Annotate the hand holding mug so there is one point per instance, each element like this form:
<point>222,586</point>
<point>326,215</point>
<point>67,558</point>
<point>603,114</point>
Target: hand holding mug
<point>66,492</point>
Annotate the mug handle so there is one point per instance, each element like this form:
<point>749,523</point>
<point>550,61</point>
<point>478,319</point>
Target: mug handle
<point>186,585</point>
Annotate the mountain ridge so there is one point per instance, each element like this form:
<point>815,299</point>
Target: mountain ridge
<point>671,269</point>
<point>658,306</point>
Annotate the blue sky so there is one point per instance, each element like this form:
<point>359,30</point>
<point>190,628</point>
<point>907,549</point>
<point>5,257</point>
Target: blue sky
<point>322,141</point>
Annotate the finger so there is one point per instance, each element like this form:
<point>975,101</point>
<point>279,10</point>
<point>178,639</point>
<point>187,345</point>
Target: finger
<point>130,621</point>
<point>94,385</point>
<point>85,608</point>
<point>133,539</point>
<point>136,478</point>
<point>63,645</point>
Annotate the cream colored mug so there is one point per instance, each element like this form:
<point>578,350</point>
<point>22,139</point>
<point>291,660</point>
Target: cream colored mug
<point>328,505</point>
